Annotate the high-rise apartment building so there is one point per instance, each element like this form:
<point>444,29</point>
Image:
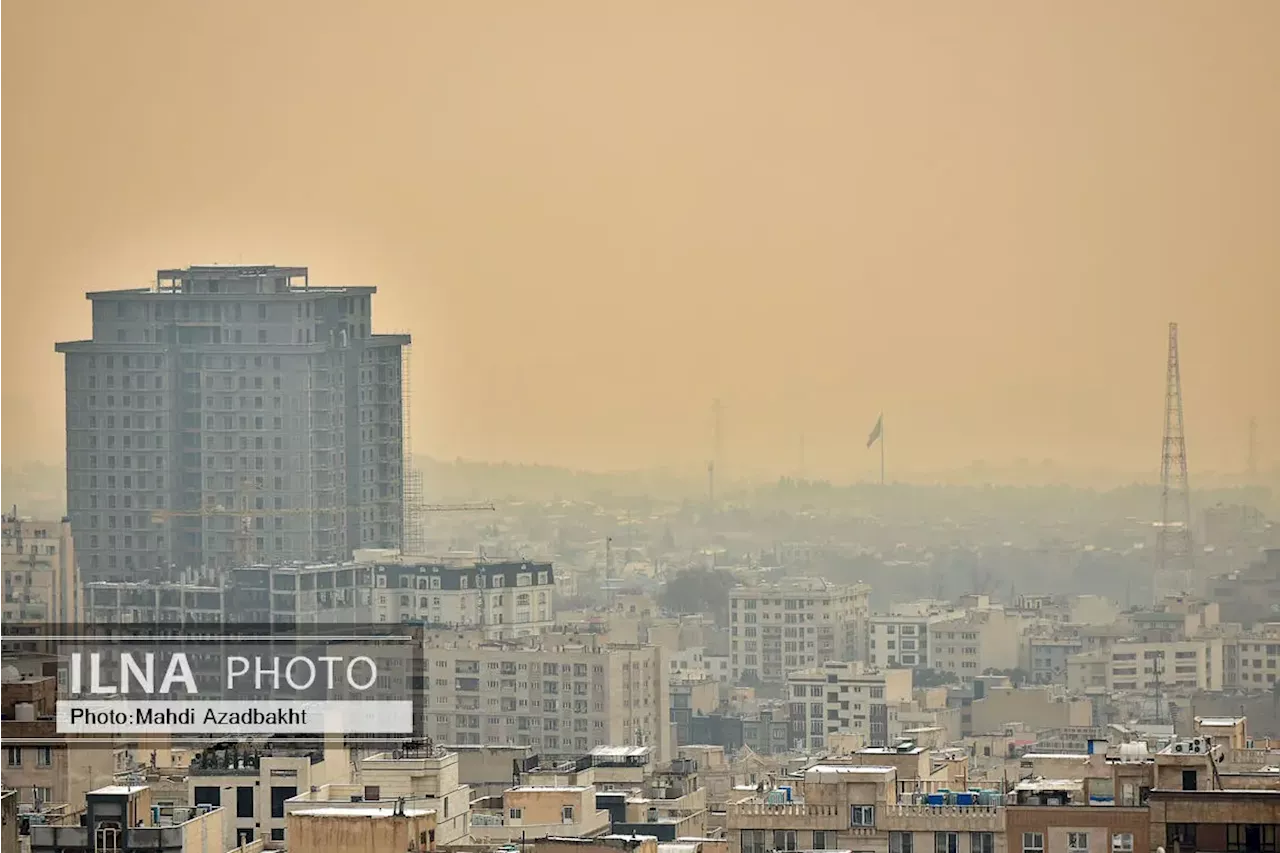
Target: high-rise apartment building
<point>232,414</point>
<point>776,628</point>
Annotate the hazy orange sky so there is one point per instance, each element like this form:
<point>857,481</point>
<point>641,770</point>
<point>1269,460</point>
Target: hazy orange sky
<point>596,217</point>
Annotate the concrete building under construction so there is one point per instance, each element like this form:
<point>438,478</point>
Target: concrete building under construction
<point>232,414</point>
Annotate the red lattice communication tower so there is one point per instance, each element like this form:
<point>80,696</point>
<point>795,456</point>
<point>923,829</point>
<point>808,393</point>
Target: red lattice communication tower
<point>1174,557</point>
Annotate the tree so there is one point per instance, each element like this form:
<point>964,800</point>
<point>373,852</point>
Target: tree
<point>1016,676</point>
<point>699,591</point>
<point>932,677</point>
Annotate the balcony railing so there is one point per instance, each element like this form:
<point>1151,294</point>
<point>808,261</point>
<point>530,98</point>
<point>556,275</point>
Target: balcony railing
<point>755,815</point>
<point>907,817</point>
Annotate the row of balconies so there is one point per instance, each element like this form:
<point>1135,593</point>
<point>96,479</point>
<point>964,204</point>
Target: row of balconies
<point>894,817</point>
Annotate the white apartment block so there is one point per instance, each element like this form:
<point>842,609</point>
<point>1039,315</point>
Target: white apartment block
<point>503,599</point>
<point>561,694</point>
<point>969,645</point>
<point>776,628</point>
<point>1190,664</point>
<point>842,697</point>
<point>901,641</point>
<point>41,580</point>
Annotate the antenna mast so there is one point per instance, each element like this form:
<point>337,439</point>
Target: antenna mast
<point>1173,536</point>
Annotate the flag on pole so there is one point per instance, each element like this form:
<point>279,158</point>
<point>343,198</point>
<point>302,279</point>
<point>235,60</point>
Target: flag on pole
<point>875,433</point>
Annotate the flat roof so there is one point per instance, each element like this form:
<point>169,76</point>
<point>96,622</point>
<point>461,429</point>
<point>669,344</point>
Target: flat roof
<point>117,790</point>
<point>889,750</point>
<point>621,751</point>
<point>1051,785</point>
<point>849,768</point>
<point>359,811</point>
<point>563,789</point>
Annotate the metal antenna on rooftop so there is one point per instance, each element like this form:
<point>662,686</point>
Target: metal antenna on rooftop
<point>1173,536</point>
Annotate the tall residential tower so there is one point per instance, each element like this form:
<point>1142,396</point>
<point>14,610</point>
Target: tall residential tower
<point>232,414</point>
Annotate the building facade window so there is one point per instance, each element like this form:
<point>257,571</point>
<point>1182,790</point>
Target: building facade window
<point>1033,842</point>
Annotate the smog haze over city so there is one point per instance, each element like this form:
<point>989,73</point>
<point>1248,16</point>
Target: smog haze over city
<point>725,426</point>
<point>595,219</point>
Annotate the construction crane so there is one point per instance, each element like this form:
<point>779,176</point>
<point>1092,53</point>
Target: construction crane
<point>245,534</point>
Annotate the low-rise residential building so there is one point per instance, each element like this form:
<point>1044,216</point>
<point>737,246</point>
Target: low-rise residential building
<point>1190,664</point>
<point>254,783</point>
<point>1037,708</point>
<point>121,819</point>
<point>338,827</point>
<point>902,640</point>
<point>560,804</point>
<point>845,806</point>
<point>45,767</point>
<point>969,645</point>
<point>425,775</point>
<point>689,698</point>
<point>1257,657</point>
<point>41,578</point>
<point>508,599</point>
<point>776,628</point>
<point>562,694</point>
<point>1046,660</point>
<point>843,696</point>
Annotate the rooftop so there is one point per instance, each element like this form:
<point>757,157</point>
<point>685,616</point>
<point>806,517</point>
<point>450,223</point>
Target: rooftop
<point>119,790</point>
<point>356,810</point>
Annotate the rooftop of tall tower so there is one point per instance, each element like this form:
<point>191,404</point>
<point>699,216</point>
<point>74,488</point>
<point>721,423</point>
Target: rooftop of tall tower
<point>230,280</point>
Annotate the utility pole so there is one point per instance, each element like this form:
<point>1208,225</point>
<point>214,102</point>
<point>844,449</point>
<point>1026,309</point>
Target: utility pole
<point>1155,675</point>
<point>1173,559</point>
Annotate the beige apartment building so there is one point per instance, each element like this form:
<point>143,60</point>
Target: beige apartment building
<point>844,697</point>
<point>426,776</point>
<point>38,564</point>
<point>804,622</point>
<point>252,786</point>
<point>1256,656</point>
<point>562,694</point>
<point>48,769</point>
<point>1130,666</point>
<point>982,639</point>
<point>340,827</point>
